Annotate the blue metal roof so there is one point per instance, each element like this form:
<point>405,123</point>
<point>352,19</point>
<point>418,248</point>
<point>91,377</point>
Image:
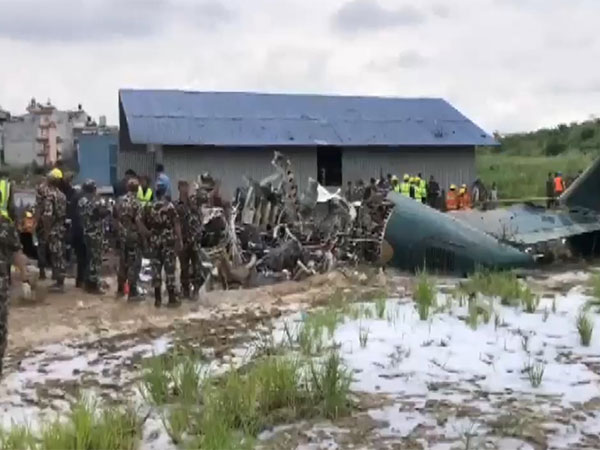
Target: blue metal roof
<point>171,117</point>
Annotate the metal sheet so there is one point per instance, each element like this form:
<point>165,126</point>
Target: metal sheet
<point>248,119</point>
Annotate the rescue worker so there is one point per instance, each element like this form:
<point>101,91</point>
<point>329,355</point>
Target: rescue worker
<point>550,191</point>
<point>452,199</point>
<point>422,188</point>
<point>92,211</point>
<point>42,192</point>
<point>349,193</point>
<point>417,188</point>
<point>145,194</point>
<point>161,222</point>
<point>405,186</point>
<point>7,207</point>
<point>127,213</point>
<point>54,216</point>
<point>10,251</point>
<point>359,190</point>
<point>188,209</point>
<point>464,198</point>
<point>394,184</point>
<point>559,185</point>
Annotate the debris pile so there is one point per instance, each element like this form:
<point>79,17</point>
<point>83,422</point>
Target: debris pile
<point>271,232</point>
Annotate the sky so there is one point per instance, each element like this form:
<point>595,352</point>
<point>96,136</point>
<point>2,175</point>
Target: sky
<point>509,65</point>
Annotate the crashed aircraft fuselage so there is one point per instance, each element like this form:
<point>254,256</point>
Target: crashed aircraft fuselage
<point>417,236</point>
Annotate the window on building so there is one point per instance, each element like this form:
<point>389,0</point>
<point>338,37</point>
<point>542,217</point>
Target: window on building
<point>329,166</point>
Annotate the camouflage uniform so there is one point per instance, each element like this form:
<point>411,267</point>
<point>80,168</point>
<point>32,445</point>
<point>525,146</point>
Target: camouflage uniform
<point>9,244</point>
<point>92,211</point>
<point>129,209</point>
<point>55,208</point>
<point>191,231</point>
<point>42,192</point>
<point>161,218</point>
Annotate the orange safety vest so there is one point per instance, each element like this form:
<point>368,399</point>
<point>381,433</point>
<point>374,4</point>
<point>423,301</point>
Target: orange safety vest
<point>558,185</point>
<point>464,200</point>
<point>451,201</point>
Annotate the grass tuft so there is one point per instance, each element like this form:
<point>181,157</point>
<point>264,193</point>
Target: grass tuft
<point>535,373</point>
<point>529,300</point>
<point>424,295</point>
<point>585,328</point>
<point>363,336</point>
<point>380,305</point>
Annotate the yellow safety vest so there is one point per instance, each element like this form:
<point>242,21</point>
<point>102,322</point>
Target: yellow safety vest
<point>405,189</point>
<point>423,187</point>
<point>5,192</point>
<point>144,198</point>
<point>417,192</point>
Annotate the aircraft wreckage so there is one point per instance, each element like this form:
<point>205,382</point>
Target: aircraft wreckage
<point>275,232</point>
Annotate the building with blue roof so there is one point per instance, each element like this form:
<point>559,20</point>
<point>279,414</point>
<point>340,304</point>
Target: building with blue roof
<point>334,139</point>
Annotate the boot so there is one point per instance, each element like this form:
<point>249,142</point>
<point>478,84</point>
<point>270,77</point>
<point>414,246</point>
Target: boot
<point>173,301</point>
<point>157,297</point>
<point>79,283</point>
<point>120,290</point>
<point>58,287</point>
<point>42,274</point>
<point>134,296</point>
<point>185,292</point>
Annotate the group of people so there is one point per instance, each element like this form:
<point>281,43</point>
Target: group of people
<point>426,192</point>
<point>556,184</point>
<point>146,224</point>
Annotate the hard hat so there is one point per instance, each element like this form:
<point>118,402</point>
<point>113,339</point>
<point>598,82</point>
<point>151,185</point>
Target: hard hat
<point>452,187</point>
<point>89,185</point>
<point>394,178</point>
<point>462,190</point>
<point>464,186</point>
<point>406,177</point>
<point>28,214</point>
<point>56,173</point>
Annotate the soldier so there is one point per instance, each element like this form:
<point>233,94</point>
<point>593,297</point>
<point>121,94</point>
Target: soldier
<point>162,225</point>
<point>42,192</point>
<point>92,211</point>
<point>188,210</point>
<point>127,215</point>
<point>54,215</point>
<point>10,248</point>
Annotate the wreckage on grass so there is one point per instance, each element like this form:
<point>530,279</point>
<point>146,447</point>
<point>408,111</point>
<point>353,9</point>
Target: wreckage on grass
<point>293,235</point>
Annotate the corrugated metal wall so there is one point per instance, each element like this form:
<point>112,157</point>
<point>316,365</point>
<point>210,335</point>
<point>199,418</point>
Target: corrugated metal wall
<point>94,157</point>
<point>231,165</point>
<point>447,165</point>
<point>139,160</point>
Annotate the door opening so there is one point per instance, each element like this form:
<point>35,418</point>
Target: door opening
<point>329,166</point>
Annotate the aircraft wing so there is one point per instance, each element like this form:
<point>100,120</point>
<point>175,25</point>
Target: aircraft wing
<point>528,224</point>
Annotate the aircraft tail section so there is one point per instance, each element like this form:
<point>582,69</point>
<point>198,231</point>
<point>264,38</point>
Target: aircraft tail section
<point>585,190</point>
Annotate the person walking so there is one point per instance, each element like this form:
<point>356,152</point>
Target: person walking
<point>452,199</point>
<point>405,185</point>
<point>422,188</point>
<point>127,214</point>
<point>54,216</point>
<point>188,210</point>
<point>10,251</point>
<point>164,232</point>
<point>559,186</point>
<point>433,193</point>
<point>92,211</point>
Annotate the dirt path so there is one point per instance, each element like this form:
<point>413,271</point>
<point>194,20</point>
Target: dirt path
<point>77,315</point>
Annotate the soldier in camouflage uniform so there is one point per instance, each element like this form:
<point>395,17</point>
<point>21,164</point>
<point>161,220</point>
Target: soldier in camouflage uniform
<point>92,211</point>
<point>188,209</point>
<point>162,223</point>
<point>54,215</point>
<point>9,245</point>
<point>42,192</point>
<point>127,214</point>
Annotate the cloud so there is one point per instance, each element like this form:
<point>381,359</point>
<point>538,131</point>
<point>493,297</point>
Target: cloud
<point>406,59</point>
<point>369,15</point>
<point>94,20</point>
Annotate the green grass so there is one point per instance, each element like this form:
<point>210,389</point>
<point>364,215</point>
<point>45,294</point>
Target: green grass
<point>504,285</point>
<point>424,295</point>
<point>535,373</point>
<point>88,425</point>
<point>363,336</point>
<point>520,177</point>
<point>529,300</point>
<point>594,285</point>
<point>228,411</point>
<point>380,305</point>
<point>585,328</point>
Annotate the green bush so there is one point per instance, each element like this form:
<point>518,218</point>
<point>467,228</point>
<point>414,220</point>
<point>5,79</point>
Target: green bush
<point>554,148</point>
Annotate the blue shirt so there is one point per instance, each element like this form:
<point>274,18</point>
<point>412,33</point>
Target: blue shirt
<point>164,179</point>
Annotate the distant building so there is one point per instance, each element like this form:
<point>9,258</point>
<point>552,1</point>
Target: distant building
<point>334,139</point>
<point>97,156</point>
<point>44,134</point>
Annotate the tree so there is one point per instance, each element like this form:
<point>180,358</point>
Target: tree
<point>554,147</point>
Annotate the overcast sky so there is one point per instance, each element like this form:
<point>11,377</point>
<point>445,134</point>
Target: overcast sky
<point>509,65</point>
